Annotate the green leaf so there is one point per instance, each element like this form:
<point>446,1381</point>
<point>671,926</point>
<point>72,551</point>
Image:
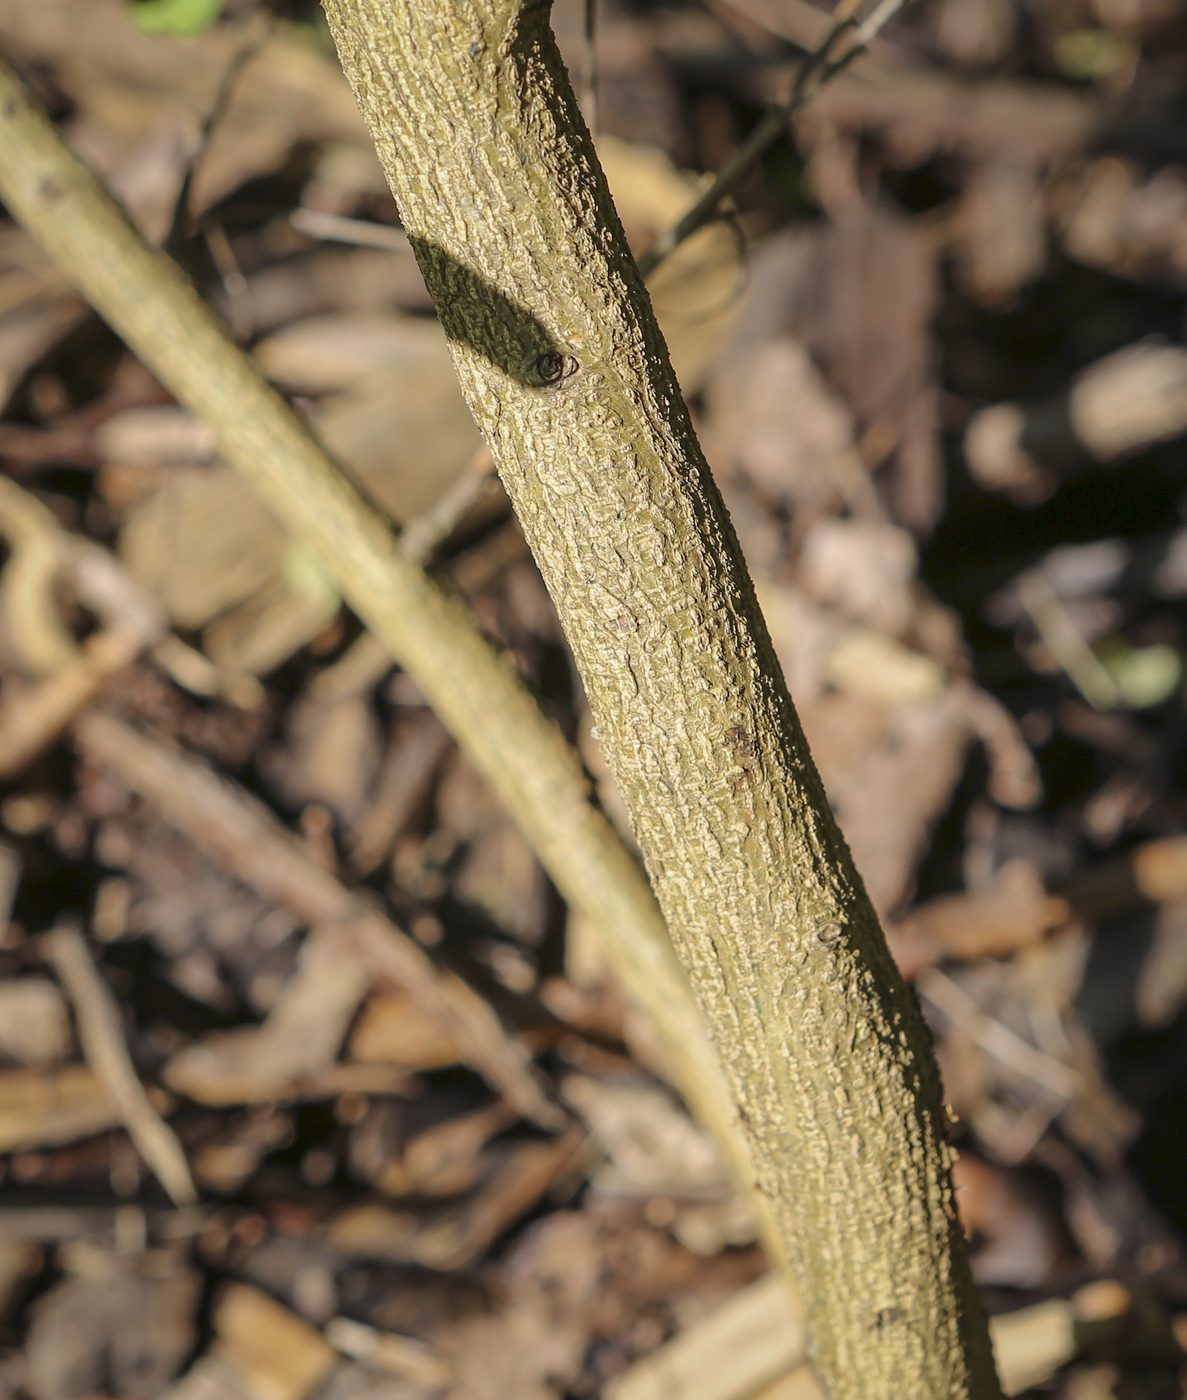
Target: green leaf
<point>186,17</point>
<point>1090,53</point>
<point>1145,675</point>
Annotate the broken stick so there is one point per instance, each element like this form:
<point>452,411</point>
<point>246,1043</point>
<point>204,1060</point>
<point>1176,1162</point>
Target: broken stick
<point>102,1039</point>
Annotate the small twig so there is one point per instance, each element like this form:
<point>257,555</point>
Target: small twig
<point>36,718</point>
<point>214,115</point>
<point>819,68</point>
<point>59,1224</point>
<point>391,1353</point>
<point>39,636</point>
<point>233,280</point>
<point>998,1040</point>
<point>42,554</point>
<point>873,25</point>
<point>426,533</point>
<point>1071,652</point>
<point>367,661</point>
<point>194,671</point>
<point>336,228</point>
<point>1020,1138</point>
<point>102,1038</point>
<point>401,788</point>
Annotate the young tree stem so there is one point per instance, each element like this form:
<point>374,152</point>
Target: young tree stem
<point>828,1060</point>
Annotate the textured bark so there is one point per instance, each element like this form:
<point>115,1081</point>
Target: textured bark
<point>829,1063</point>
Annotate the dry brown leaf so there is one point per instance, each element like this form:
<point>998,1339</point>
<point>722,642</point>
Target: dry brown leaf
<point>127,82</point>
<point>332,279</point>
<point>746,1345</point>
<point>773,417</point>
<point>889,774</point>
<point>331,755</point>
<point>203,544</point>
<point>29,332</point>
<point>864,569</point>
<point>216,557</point>
<point>1014,911</point>
<point>654,1147</point>
<point>918,112</point>
<point>1017,1239</point>
<point>873,334</point>
<point>394,1029</point>
<point>331,353</point>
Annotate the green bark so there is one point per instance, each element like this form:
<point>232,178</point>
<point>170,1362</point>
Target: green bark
<point>829,1063</point>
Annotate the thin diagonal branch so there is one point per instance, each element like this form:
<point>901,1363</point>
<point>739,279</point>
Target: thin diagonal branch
<point>102,1039</point>
<point>818,68</point>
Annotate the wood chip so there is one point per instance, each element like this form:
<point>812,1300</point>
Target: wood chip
<point>390,1353</point>
<point>261,1351</point>
<point>755,1339</point>
<point>1033,1343</point>
<point>46,1110</point>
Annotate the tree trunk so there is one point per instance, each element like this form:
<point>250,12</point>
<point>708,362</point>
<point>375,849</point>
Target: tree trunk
<point>829,1063</point>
